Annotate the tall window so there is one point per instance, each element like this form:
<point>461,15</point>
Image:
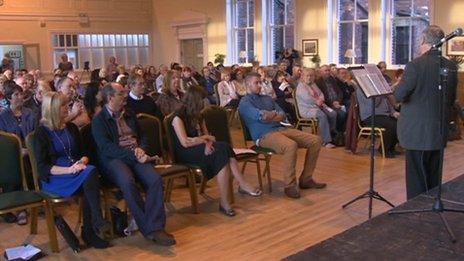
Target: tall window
<point>281,26</point>
<point>352,31</point>
<point>243,31</point>
<point>129,49</point>
<point>409,19</point>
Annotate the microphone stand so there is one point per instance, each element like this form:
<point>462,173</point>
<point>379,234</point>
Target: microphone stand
<point>438,206</point>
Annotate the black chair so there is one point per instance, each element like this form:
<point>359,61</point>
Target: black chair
<point>12,175</point>
<point>51,198</point>
<point>265,154</point>
<point>194,169</point>
<point>152,129</point>
<point>217,124</point>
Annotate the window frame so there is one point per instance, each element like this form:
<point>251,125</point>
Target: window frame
<point>390,23</point>
<point>235,30</point>
<point>335,49</point>
<point>145,35</point>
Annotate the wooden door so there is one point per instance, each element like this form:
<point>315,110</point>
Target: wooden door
<point>192,53</point>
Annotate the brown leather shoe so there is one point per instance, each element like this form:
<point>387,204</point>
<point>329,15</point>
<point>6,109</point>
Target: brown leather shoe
<point>311,184</point>
<point>292,192</point>
<point>162,238</point>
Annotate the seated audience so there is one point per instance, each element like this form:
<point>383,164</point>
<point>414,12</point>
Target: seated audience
<point>93,99</point>
<point>112,68</point>
<point>121,151</point>
<point>383,69</point>
<point>346,84</point>
<point>150,80</point>
<point>163,70</point>
<point>311,105</point>
<point>333,97</point>
<point>63,168</point>
<point>226,90</point>
<point>187,80</point>
<point>266,85</point>
<point>76,114</point>
<point>208,84</point>
<point>138,101</point>
<point>65,66</point>
<point>16,118</point>
<point>170,98</point>
<point>262,117</point>
<point>193,145</point>
<point>283,93</point>
<point>239,83</point>
<point>35,103</point>
<point>385,117</point>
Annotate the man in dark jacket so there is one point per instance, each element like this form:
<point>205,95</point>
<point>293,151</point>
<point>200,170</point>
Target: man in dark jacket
<point>121,150</point>
<point>419,129</point>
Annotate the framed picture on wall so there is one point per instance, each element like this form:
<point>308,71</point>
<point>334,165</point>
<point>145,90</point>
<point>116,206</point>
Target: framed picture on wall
<point>310,47</point>
<point>455,46</point>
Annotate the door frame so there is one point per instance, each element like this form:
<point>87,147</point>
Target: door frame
<point>194,28</point>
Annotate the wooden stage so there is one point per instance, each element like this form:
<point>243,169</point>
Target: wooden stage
<point>267,228</point>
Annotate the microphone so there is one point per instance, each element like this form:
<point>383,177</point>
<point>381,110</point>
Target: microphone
<point>448,37</point>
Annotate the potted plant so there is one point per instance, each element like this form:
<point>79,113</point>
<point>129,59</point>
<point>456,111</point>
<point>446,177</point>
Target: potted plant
<point>316,60</point>
<point>219,58</point>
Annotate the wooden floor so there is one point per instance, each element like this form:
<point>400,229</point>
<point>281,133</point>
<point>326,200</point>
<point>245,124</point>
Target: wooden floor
<point>266,228</point>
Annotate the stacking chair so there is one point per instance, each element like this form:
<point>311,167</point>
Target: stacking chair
<point>51,198</point>
<point>231,112</point>
<point>265,154</point>
<point>366,132</point>
<point>194,169</point>
<point>304,122</point>
<point>12,173</point>
<point>152,129</point>
<point>216,122</point>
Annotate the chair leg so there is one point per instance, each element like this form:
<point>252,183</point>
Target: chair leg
<point>260,179</point>
<point>108,216</point>
<point>382,144</point>
<point>231,190</point>
<point>33,212</point>
<point>267,172</point>
<point>169,186</point>
<point>193,192</point>
<point>49,217</point>
<point>243,167</point>
<point>203,185</point>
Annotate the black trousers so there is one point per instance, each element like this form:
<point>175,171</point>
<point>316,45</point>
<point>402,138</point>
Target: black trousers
<point>390,137</point>
<point>92,215</point>
<point>421,171</point>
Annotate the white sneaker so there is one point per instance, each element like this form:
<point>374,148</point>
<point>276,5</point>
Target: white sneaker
<point>329,146</point>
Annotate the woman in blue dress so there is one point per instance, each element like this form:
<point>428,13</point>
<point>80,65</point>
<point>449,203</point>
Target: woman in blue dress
<point>214,158</point>
<point>63,169</point>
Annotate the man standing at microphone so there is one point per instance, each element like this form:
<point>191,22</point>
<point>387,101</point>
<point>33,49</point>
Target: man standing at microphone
<point>419,128</point>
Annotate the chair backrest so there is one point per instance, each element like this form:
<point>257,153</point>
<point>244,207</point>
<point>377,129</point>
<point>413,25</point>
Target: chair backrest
<point>216,121</point>
<point>12,172</point>
<point>30,147</point>
<point>167,122</point>
<point>295,105</point>
<point>151,127</point>
<point>90,148</point>
<point>216,93</point>
<point>245,130</point>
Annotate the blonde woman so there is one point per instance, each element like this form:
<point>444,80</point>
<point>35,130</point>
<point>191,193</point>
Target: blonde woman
<point>63,169</point>
<point>171,95</point>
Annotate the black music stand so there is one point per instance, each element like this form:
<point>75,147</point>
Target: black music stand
<point>370,80</point>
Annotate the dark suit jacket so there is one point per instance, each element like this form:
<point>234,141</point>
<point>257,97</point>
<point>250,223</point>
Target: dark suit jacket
<point>324,88</point>
<point>419,122</point>
<point>105,134</point>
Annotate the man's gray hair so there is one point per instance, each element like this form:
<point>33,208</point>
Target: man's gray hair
<point>249,77</point>
<point>432,34</point>
<point>107,92</point>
